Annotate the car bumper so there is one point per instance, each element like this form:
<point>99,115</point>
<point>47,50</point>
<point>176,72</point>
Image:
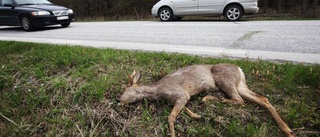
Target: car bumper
<point>51,20</point>
<point>251,11</point>
<point>154,11</point>
<point>250,8</point>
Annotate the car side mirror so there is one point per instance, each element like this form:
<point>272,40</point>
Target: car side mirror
<point>8,5</point>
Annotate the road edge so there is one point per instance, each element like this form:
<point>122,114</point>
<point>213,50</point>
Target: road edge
<point>219,52</point>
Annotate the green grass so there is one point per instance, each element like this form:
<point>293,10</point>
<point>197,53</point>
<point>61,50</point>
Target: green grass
<point>54,90</point>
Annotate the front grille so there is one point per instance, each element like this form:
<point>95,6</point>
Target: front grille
<point>60,12</point>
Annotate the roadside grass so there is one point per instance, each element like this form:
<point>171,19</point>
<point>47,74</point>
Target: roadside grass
<point>54,90</point>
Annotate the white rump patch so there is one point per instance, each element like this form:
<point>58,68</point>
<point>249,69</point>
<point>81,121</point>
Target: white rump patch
<point>243,78</point>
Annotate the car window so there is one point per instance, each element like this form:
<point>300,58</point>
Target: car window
<point>32,2</point>
<point>6,2</point>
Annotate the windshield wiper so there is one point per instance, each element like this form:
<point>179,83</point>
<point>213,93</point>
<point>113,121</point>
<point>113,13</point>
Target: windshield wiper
<point>28,4</point>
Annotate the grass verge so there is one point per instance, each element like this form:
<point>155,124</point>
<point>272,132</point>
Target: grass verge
<point>54,90</point>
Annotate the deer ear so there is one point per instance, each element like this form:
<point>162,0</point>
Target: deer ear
<point>136,77</point>
<point>130,80</point>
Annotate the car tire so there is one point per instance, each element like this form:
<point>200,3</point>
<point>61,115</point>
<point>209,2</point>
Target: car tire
<point>26,24</point>
<point>64,25</point>
<point>233,13</point>
<point>165,14</point>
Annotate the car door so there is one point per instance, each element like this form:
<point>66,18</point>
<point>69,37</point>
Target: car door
<point>210,6</point>
<point>8,14</point>
<point>185,7</point>
<point>1,13</point>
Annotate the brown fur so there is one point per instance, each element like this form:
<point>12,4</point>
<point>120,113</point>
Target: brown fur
<point>188,81</point>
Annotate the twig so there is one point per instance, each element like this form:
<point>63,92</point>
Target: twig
<point>301,128</point>
<point>94,130</point>
<point>127,122</point>
<point>9,120</point>
<point>79,130</point>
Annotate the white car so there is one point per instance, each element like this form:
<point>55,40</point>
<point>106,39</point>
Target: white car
<point>232,10</point>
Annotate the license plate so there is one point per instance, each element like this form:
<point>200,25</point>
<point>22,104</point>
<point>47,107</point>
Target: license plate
<point>63,18</point>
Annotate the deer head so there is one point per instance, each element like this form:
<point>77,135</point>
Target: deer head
<point>132,92</point>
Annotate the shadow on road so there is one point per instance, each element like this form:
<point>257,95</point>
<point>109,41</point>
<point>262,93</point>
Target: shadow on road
<point>199,20</point>
<point>20,29</point>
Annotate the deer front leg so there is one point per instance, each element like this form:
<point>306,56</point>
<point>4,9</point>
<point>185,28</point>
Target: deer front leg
<point>209,97</point>
<point>234,101</point>
<point>191,114</point>
<point>173,115</point>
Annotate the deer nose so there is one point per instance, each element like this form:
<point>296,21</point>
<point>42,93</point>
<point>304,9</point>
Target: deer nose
<point>122,103</point>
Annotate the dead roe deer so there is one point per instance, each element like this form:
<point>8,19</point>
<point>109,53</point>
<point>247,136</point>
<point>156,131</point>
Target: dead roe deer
<point>188,81</point>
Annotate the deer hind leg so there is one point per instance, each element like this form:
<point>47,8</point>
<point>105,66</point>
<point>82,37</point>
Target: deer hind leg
<point>232,92</point>
<point>263,101</point>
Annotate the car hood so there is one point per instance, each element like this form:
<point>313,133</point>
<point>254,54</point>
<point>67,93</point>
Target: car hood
<point>44,7</point>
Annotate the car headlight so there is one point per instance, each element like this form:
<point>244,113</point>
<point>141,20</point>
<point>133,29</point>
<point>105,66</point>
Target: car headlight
<point>40,13</point>
<point>70,11</point>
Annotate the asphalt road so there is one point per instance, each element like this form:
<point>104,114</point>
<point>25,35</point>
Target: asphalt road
<point>297,41</point>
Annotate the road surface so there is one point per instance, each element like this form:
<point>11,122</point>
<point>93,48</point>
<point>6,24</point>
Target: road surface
<point>296,41</point>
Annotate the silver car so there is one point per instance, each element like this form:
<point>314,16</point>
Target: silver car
<point>232,10</point>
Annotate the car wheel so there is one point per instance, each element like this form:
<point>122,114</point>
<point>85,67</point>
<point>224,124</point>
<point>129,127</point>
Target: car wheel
<point>26,24</point>
<point>165,14</point>
<point>65,25</point>
<point>233,13</point>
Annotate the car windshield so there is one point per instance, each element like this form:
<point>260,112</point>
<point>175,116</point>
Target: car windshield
<point>32,2</point>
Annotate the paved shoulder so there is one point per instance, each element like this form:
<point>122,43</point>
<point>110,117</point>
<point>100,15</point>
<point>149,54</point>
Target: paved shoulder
<point>270,40</point>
